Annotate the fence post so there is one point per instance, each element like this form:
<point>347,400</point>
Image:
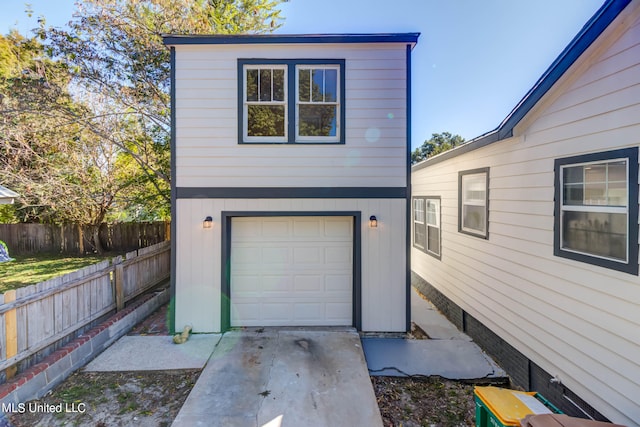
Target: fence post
<point>119,282</point>
<point>11,333</point>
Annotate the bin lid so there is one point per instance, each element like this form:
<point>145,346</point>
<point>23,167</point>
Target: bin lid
<point>510,406</point>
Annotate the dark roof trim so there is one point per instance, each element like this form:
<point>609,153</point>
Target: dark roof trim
<point>580,43</point>
<point>171,39</point>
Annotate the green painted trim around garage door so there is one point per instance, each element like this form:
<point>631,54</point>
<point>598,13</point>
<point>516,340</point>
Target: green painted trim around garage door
<point>225,287</point>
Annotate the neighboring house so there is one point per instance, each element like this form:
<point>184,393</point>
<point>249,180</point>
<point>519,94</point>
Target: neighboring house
<point>527,236</point>
<point>285,149</point>
<point>7,196</point>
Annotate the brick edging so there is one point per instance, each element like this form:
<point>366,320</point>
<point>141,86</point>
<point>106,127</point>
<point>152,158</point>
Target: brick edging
<point>36,381</point>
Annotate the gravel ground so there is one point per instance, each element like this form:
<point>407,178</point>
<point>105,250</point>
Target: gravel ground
<point>104,399</point>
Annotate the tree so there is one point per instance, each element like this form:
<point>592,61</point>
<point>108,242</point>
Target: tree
<point>438,143</point>
<point>63,172</point>
<point>116,53</point>
<point>85,118</point>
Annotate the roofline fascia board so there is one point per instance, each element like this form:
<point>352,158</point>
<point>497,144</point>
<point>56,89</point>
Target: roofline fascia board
<point>474,144</point>
<point>607,13</point>
<point>172,40</point>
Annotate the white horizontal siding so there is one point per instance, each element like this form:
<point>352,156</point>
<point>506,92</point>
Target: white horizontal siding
<point>575,320</point>
<point>207,121</point>
<point>198,267</point>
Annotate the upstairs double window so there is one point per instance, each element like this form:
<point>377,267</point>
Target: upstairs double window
<point>291,101</point>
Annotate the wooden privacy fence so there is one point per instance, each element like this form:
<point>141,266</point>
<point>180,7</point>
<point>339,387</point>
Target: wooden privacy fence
<point>36,317</point>
<point>25,239</point>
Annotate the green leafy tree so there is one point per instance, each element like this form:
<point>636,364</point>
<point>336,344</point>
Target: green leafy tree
<point>62,172</point>
<point>438,143</point>
<point>116,53</point>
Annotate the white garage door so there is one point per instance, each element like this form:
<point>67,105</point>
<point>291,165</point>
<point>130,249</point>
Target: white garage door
<point>291,271</point>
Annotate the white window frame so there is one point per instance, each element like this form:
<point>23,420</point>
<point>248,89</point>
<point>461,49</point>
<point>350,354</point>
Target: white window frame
<point>246,103</point>
<point>628,154</point>
<point>594,208</point>
<point>436,225</point>
<point>464,179</point>
<point>421,220</point>
<point>301,138</point>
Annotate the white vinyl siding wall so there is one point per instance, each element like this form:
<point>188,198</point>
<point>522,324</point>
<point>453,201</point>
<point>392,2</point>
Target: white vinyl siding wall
<point>198,257</point>
<point>208,153</point>
<point>578,321</point>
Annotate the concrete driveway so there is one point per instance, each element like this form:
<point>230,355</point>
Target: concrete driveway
<point>284,377</point>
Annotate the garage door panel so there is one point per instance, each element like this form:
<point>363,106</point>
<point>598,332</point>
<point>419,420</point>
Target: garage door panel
<point>275,256</point>
<point>275,313</point>
<point>247,229</point>
<point>291,271</point>
<point>338,283</point>
<point>276,284</point>
<point>308,283</point>
<point>276,228</point>
<point>337,311</point>
<point>312,256</point>
<point>306,228</point>
<point>338,229</point>
<point>338,255</point>
<point>245,255</point>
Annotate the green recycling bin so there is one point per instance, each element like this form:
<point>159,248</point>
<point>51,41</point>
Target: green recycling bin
<point>501,407</point>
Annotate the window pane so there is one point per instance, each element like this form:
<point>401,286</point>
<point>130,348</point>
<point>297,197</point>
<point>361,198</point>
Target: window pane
<point>474,188</point>
<point>265,85</point>
<point>265,120</point>
<point>317,120</point>
<point>252,85</point>
<point>595,193</point>
<point>418,210</point>
<point>432,212</point>
<point>601,234</point>
<point>419,235</point>
<point>573,194</point>
<point>318,86</point>
<point>595,173</point>
<point>617,194</point>
<point>433,240</point>
<point>573,175</point>
<point>473,217</point>
<point>278,85</point>
<point>304,82</point>
<point>331,85</point>
<point>618,171</point>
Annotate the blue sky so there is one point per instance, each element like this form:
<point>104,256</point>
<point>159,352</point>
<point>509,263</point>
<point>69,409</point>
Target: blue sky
<point>474,60</point>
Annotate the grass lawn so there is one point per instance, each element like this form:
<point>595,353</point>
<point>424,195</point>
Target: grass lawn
<point>29,270</point>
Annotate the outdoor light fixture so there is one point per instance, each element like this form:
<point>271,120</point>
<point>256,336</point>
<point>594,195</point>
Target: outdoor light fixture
<point>207,223</point>
<point>373,221</point>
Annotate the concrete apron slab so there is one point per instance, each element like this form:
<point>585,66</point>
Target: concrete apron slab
<point>451,359</point>
<point>154,353</point>
<point>284,377</point>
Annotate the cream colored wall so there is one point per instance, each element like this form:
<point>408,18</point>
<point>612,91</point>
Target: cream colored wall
<point>208,153</point>
<point>198,257</point>
<point>575,320</point>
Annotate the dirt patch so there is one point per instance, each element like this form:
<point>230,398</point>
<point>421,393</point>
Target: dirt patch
<point>428,401</point>
<point>104,399</point>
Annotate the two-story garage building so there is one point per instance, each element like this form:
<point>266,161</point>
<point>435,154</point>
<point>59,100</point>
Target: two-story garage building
<point>291,180</point>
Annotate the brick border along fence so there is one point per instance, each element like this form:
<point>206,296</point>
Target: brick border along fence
<point>36,381</point>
